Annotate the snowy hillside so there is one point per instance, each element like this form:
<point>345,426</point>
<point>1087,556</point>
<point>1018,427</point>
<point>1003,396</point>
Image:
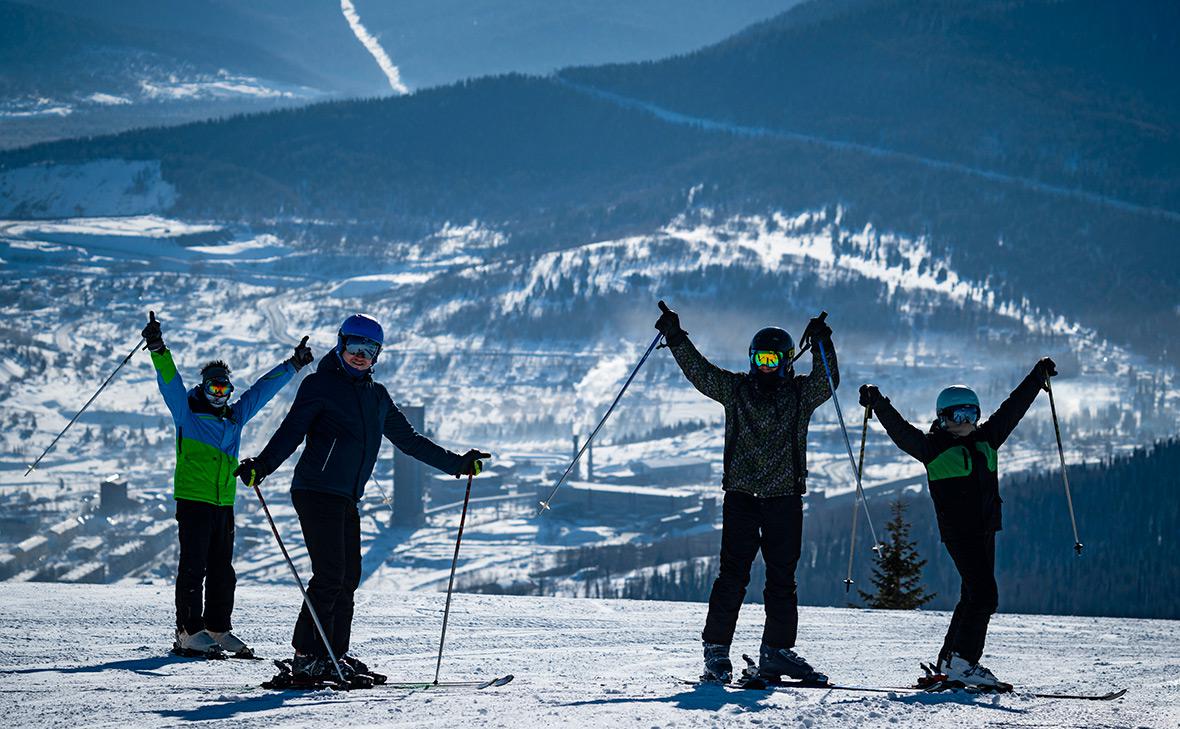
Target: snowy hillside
<point>97,656</point>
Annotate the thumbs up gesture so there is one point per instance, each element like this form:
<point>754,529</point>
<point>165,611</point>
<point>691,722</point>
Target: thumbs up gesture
<point>153,335</point>
<point>302,356</point>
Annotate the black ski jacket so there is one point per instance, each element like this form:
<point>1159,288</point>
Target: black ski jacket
<point>342,419</point>
<point>962,471</point>
<point>765,420</point>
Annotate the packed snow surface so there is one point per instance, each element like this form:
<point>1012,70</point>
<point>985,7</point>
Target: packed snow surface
<point>96,655</point>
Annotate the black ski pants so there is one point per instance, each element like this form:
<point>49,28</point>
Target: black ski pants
<point>775,526</point>
<point>975,558</point>
<point>332,532</point>
<point>206,566</point>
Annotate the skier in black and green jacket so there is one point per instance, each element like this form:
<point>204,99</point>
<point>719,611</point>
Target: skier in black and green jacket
<point>767,412</point>
<point>961,459</point>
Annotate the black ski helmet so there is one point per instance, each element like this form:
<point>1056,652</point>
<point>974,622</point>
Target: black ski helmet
<point>773,339</point>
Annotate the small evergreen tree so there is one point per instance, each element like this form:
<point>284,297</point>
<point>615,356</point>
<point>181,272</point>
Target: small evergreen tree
<point>898,572</point>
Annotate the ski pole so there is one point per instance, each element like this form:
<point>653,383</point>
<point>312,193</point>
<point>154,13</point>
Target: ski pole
<point>864,434</point>
<point>451,582</point>
<point>79,413</point>
<point>306,600</point>
<point>1077,543</point>
<point>840,414</point>
<point>650,347</point>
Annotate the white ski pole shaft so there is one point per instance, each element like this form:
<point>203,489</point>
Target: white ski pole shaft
<point>1077,543</point>
<point>578,455</point>
<point>77,415</point>
<point>306,600</point>
<point>451,583</point>
<point>847,442</point>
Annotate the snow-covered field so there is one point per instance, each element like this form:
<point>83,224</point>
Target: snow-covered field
<point>97,656</point>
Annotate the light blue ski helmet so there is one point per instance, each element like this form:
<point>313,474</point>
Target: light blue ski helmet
<point>954,396</point>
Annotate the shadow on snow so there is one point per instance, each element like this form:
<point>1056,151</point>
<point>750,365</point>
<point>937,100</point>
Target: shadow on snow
<point>142,666</point>
<point>698,698</point>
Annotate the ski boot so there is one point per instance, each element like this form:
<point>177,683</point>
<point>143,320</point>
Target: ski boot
<point>775,663</point>
<point>352,666</point>
<point>197,645</point>
<point>932,679</point>
<point>303,672</point>
<point>972,676</point>
<point>307,672</point>
<point>718,667</point>
<point>232,644</point>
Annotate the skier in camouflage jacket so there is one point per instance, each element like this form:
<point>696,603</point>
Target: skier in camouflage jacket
<point>767,412</point>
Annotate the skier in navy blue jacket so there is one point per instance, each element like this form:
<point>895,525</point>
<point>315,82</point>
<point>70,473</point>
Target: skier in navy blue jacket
<point>342,413</point>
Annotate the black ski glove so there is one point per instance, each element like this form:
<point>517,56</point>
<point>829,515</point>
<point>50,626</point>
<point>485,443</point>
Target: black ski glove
<point>248,467</point>
<point>153,334</point>
<point>1043,370</point>
<point>817,330</point>
<point>472,465</point>
<point>869,396</point>
<point>302,356</point>
<point>669,326</point>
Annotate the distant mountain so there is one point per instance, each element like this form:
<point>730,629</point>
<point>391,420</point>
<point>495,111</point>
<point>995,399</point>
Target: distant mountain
<point>78,68</point>
<point>1079,93</point>
<point>556,162</point>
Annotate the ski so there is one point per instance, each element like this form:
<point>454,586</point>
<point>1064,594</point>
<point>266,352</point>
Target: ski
<point>285,680</point>
<point>939,687</point>
<point>763,685</point>
<point>1086,697</point>
<point>760,685</point>
<point>478,685</point>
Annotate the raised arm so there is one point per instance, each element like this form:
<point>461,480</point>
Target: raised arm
<point>901,432</point>
<point>167,378</point>
<point>260,393</point>
<point>171,384</point>
<point>814,387</point>
<point>1005,419</point>
<point>399,432</point>
<point>710,380</point>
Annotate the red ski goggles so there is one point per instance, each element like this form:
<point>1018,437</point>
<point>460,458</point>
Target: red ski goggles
<point>218,388</point>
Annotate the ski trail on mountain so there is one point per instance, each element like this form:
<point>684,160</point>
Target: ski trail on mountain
<point>675,117</point>
<point>373,46</point>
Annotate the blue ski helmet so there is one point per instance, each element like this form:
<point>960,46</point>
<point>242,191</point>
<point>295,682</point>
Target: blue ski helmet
<point>773,339</point>
<point>360,325</point>
<point>956,395</point>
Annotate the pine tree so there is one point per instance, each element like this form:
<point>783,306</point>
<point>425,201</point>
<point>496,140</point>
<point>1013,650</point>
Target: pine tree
<point>898,572</point>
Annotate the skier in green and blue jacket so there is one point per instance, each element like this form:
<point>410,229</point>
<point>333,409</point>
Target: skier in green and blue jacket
<point>208,436</point>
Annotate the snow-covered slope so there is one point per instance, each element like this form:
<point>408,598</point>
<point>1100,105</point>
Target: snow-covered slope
<point>97,656</point>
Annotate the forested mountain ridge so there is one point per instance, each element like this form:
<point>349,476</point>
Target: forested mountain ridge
<point>1075,93</point>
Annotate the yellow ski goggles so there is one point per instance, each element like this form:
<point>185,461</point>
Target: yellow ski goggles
<point>766,359</point>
